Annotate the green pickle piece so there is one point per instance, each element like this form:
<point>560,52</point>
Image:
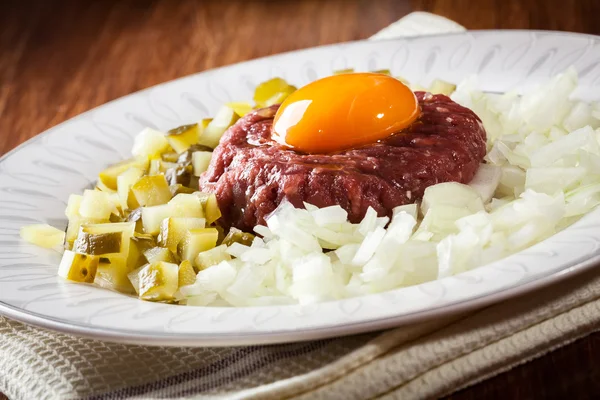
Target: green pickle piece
<point>183,137</point>
<point>237,236</point>
<point>151,191</point>
<point>157,254</point>
<point>211,257</point>
<point>78,267</point>
<point>273,91</point>
<point>197,241</point>
<point>158,281</point>
<point>173,230</point>
<point>98,244</point>
<point>187,274</point>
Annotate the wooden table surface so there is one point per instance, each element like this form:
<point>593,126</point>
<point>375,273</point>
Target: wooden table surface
<point>60,58</point>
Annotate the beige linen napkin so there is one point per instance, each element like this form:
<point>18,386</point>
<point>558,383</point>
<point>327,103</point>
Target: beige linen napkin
<point>422,361</point>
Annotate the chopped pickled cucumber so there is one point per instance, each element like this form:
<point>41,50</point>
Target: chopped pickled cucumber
<point>78,267</point>
<point>171,157</point>
<point>98,244</point>
<point>439,86</point>
<point>237,236</point>
<point>187,275</point>
<point>106,243</point>
<point>201,161</point>
<point>124,183</point>
<point>151,191</point>
<point>75,224</point>
<point>273,91</point>
<point>157,254</point>
<point>96,205</point>
<point>158,281</point>
<point>103,188</point>
<point>183,137</point>
<point>73,205</point>
<point>383,71</point>
<point>240,108</point>
<point>137,247</point>
<point>197,241</point>
<point>211,135</point>
<point>109,176</point>
<point>112,274</point>
<point>134,278</point>
<point>43,235</point>
<point>343,71</point>
<point>186,205</point>
<point>153,216</point>
<point>211,257</point>
<point>173,229</point>
<point>211,209</point>
<point>149,144</point>
<point>179,188</point>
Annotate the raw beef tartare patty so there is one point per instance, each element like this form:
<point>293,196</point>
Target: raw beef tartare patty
<point>251,174</point>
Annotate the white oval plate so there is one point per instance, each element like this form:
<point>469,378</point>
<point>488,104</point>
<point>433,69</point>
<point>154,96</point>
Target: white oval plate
<point>37,177</point>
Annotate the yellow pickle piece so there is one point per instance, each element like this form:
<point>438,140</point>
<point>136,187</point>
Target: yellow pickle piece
<point>78,267</point>
<point>187,274</point>
<point>158,281</point>
<point>151,191</point>
<point>197,241</point>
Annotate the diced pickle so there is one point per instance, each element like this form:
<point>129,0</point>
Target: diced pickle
<point>187,275</point>
<point>98,244</point>
<point>158,281</point>
<point>173,229</point>
<point>137,247</point>
<point>211,209</point>
<point>237,236</point>
<point>43,235</point>
<point>124,229</point>
<point>157,254</point>
<point>75,224</point>
<point>183,137</point>
<point>197,241</point>
<point>73,205</point>
<point>149,144</point>
<point>103,188</point>
<point>273,91</point>
<point>383,71</point>
<point>109,176</point>
<point>78,267</point>
<point>96,205</point>
<point>343,71</point>
<point>439,86</point>
<point>170,157</point>
<point>153,216</point>
<point>211,135</point>
<point>201,161</point>
<point>155,167</point>
<point>151,191</point>
<point>134,278</point>
<point>112,273</point>
<point>179,188</point>
<point>211,257</point>
<point>124,183</point>
<point>240,108</point>
<point>186,205</point>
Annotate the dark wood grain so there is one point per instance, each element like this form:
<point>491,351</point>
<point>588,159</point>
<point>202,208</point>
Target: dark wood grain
<point>60,58</point>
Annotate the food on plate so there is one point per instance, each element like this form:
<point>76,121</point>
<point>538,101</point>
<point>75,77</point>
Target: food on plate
<point>351,185</point>
<point>251,172</point>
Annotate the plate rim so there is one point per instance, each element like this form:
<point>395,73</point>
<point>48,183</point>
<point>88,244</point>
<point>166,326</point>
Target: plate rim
<point>254,338</point>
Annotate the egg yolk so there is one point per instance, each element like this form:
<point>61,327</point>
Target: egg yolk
<point>344,111</point>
